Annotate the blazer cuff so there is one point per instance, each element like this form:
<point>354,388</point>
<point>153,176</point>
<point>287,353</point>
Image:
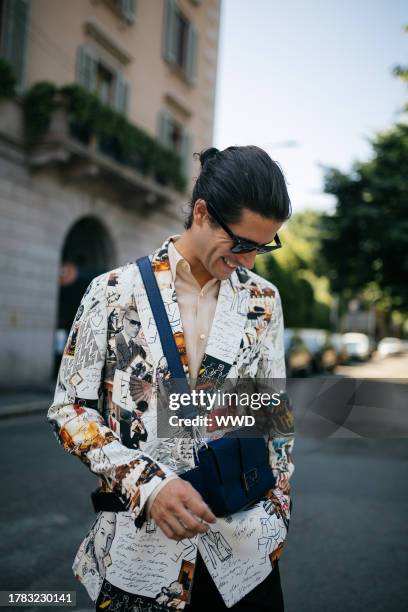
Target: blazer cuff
<point>156,491</point>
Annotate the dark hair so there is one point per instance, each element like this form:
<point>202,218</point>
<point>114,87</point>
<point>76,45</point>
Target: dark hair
<point>241,177</point>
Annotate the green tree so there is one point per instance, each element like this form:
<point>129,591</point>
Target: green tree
<point>296,271</point>
<point>365,241</point>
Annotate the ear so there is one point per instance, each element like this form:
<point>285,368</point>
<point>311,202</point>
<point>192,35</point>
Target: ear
<point>200,212</point>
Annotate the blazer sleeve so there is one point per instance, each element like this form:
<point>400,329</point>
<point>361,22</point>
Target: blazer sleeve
<point>76,414</point>
<point>272,374</point>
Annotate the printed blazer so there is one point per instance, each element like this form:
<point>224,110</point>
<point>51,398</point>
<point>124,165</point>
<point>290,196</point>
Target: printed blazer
<point>104,412</point>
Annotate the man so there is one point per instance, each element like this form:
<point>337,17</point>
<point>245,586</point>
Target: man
<point>126,346</point>
<point>228,325</point>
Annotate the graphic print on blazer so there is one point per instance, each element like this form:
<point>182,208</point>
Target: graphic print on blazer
<point>105,409</point>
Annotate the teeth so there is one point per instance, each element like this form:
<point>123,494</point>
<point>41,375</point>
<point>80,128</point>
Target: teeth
<point>229,263</point>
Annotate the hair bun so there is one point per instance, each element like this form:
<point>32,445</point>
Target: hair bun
<point>207,155</point>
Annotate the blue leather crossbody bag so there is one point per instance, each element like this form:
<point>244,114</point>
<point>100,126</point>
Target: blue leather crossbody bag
<point>232,472</point>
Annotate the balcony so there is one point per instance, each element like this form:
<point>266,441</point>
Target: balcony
<point>71,131</point>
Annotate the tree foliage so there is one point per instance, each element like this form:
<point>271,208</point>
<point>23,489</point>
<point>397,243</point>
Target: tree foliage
<point>365,241</point>
<point>295,270</point>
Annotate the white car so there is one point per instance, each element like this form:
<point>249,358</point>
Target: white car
<point>390,346</point>
<point>358,346</point>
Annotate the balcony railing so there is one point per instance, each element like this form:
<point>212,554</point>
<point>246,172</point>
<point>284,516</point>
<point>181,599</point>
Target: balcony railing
<point>72,128</point>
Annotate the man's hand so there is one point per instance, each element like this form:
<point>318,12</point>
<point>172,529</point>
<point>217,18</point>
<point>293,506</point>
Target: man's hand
<point>178,508</point>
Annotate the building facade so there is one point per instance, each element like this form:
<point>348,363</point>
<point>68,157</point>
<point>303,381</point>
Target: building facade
<point>75,202</point>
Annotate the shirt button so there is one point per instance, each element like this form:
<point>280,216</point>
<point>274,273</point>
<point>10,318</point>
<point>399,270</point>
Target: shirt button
<point>202,336</point>
<point>202,294</point>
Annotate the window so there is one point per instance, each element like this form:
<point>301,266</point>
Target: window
<point>180,41</point>
<point>2,23</point>
<point>105,84</point>
<point>96,76</point>
<point>126,9</point>
<point>13,35</point>
<point>174,136</point>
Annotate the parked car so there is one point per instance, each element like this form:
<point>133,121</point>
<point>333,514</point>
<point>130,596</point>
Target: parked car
<point>324,358</point>
<point>340,347</point>
<point>298,358</point>
<point>390,346</point>
<point>358,345</point>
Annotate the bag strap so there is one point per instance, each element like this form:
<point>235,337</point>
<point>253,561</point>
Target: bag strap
<point>165,332</point>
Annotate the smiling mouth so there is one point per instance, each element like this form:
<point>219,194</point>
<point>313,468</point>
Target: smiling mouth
<point>229,263</point>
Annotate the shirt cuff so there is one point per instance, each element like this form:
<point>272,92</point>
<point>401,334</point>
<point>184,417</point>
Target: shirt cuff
<point>156,491</point>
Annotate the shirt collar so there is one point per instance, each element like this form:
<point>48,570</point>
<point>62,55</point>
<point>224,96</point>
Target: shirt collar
<point>180,266</point>
<point>176,258</point>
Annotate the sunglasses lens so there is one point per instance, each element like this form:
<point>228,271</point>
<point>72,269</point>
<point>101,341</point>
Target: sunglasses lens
<point>242,248</point>
<point>265,249</point>
<point>248,248</point>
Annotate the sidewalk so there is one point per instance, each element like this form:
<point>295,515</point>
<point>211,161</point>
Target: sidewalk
<point>22,403</point>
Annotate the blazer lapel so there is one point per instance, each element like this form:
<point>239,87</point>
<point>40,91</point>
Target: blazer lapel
<point>226,332</point>
<point>161,267</point>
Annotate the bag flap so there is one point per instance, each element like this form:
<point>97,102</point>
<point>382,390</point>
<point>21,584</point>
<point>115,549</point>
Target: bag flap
<point>234,456</point>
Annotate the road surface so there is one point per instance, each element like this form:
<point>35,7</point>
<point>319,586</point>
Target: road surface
<point>346,549</point>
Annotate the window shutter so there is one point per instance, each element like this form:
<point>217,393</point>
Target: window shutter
<point>186,153</point>
<point>122,90</point>
<point>15,28</point>
<point>164,129</point>
<point>170,33</point>
<point>128,9</point>
<point>192,51</point>
<point>86,67</point>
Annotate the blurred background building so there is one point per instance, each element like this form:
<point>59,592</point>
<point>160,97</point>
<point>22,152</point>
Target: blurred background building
<point>102,104</point>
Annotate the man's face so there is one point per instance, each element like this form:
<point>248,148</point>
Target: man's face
<point>131,323</point>
<point>214,243</point>
<point>104,535</point>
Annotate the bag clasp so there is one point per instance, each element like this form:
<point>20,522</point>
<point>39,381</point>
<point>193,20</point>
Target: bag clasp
<point>250,479</point>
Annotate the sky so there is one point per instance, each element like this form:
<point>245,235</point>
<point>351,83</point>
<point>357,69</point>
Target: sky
<point>310,82</point>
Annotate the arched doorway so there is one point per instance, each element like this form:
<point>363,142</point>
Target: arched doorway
<point>88,251</point>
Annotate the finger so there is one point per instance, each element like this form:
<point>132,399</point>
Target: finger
<point>171,534</point>
<point>189,521</point>
<point>179,531</point>
<point>166,529</point>
<point>200,509</point>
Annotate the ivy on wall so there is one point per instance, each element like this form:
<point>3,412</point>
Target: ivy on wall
<point>8,80</point>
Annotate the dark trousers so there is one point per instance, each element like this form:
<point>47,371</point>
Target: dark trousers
<point>266,596</point>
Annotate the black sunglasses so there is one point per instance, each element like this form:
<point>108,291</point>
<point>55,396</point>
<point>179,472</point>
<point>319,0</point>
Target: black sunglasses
<point>243,245</point>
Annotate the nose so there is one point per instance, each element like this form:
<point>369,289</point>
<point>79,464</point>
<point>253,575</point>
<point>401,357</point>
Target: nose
<point>247,259</point>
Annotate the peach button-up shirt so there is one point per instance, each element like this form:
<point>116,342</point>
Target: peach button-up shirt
<point>197,307</point>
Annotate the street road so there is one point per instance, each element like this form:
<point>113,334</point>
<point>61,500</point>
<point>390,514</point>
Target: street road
<point>45,511</point>
<point>391,367</point>
<point>348,542</point>
<point>346,550</point>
